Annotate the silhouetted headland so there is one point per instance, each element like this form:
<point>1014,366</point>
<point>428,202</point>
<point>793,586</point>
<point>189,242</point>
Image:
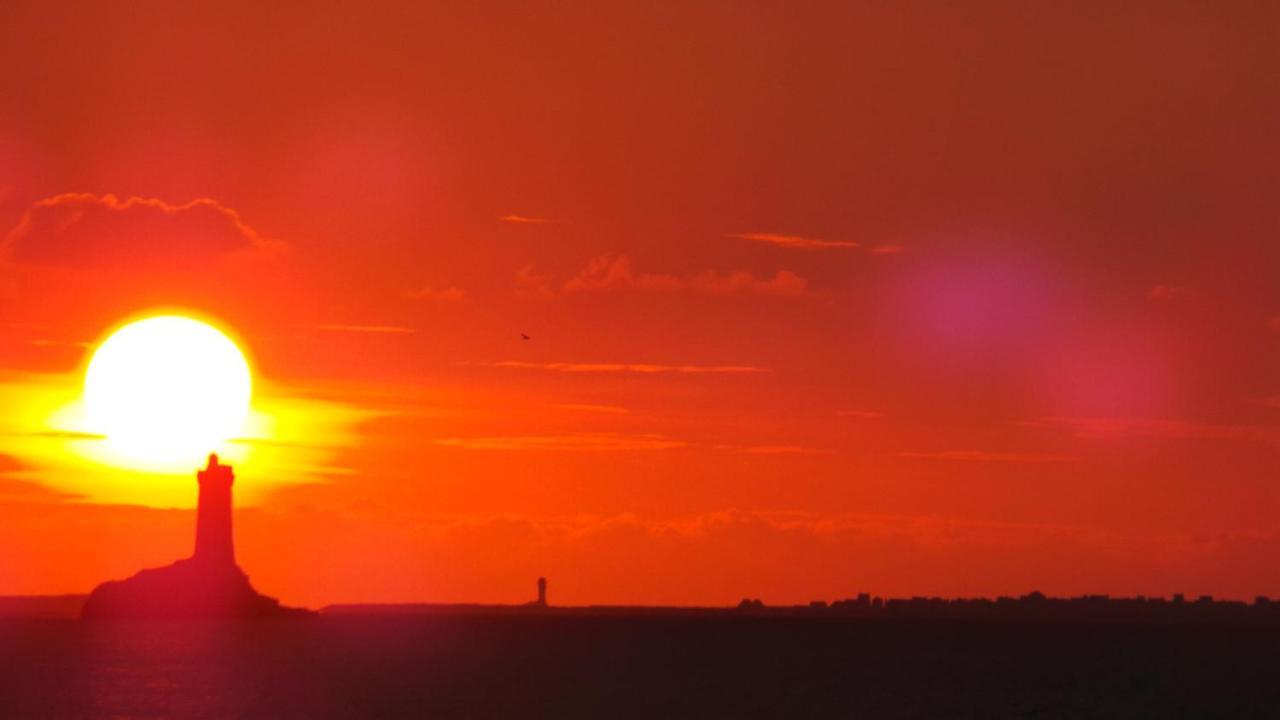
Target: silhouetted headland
<point>209,584</point>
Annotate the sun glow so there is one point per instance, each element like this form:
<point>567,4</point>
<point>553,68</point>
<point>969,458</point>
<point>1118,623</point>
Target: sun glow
<point>165,391</point>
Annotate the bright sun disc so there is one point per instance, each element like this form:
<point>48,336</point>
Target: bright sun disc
<point>167,390</point>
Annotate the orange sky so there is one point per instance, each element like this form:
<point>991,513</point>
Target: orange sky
<point>933,300</point>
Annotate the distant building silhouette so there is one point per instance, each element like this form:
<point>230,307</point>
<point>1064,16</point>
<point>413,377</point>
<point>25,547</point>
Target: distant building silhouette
<point>213,514</point>
<point>542,592</point>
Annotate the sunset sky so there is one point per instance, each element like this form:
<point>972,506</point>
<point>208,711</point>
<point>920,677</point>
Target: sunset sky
<point>933,299</point>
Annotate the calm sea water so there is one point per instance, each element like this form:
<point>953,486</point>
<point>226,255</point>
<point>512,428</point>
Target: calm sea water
<point>554,667</point>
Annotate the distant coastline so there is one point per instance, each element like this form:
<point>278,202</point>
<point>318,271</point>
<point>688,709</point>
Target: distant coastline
<point>1032,607</point>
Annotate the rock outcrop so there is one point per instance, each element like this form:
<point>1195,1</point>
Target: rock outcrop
<point>187,589</point>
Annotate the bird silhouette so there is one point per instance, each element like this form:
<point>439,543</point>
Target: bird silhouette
<point>525,337</point>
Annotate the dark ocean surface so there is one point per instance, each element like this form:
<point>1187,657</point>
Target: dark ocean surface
<point>647,667</point>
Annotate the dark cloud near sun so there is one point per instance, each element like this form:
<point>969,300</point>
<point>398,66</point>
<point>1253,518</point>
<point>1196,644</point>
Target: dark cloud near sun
<point>82,263</point>
<point>86,230</point>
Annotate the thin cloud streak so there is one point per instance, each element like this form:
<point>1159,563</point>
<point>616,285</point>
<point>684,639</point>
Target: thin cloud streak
<point>640,368</point>
<point>588,408</point>
<point>450,294</point>
<point>1169,293</point>
<point>861,414</point>
<point>591,442</point>
<point>606,274</point>
<point>369,329</point>
<point>781,450</point>
<point>984,456</point>
<point>793,241</point>
<point>1112,428</point>
<point>523,220</point>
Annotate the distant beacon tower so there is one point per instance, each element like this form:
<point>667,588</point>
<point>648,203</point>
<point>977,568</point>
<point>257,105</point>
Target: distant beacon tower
<point>213,514</point>
<point>542,592</point>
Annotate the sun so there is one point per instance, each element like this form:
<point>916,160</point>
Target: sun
<point>166,390</point>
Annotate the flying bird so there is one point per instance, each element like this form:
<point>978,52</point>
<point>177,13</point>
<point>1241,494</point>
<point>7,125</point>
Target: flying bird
<point>525,337</point>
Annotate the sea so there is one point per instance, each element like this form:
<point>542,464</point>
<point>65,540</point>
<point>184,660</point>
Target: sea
<point>530,666</point>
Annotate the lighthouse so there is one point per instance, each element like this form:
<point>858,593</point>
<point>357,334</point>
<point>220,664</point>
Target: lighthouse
<point>208,584</point>
<point>213,515</point>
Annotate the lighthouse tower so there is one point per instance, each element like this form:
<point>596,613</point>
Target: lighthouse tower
<point>213,515</point>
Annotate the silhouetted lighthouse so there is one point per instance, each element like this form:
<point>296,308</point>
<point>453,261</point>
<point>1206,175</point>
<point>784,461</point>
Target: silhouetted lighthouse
<point>213,515</point>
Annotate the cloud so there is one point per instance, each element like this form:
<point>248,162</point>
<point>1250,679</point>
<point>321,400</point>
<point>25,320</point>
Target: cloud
<point>861,414</point>
<point>60,435</point>
<point>595,442</point>
<point>605,274</point>
<point>10,464</point>
<point>602,409</point>
<point>984,456</point>
<point>85,230</point>
<point>1103,428</point>
<point>888,249</point>
<point>793,241</point>
<point>725,553</point>
<point>38,336</point>
<point>291,440</point>
<point>368,329</point>
<point>788,556</point>
<point>531,284</point>
<point>779,450</point>
<point>523,220</point>
<point>643,369</point>
<point>443,295</point>
<point>1169,293</point>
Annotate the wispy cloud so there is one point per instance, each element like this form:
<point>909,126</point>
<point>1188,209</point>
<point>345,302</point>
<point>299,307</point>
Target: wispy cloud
<point>532,284</point>
<point>587,408</point>
<point>59,435</point>
<point>985,456</point>
<point>793,241</point>
<point>595,442</point>
<point>10,464</point>
<point>641,368</point>
<point>861,414</point>
<point>607,273</point>
<point>778,450</point>
<point>370,329</point>
<point>47,342</point>
<point>1101,427</point>
<point>1169,293</point>
<point>525,220</point>
<point>445,295</point>
<point>888,249</point>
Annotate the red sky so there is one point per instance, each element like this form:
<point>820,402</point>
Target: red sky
<point>823,299</point>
